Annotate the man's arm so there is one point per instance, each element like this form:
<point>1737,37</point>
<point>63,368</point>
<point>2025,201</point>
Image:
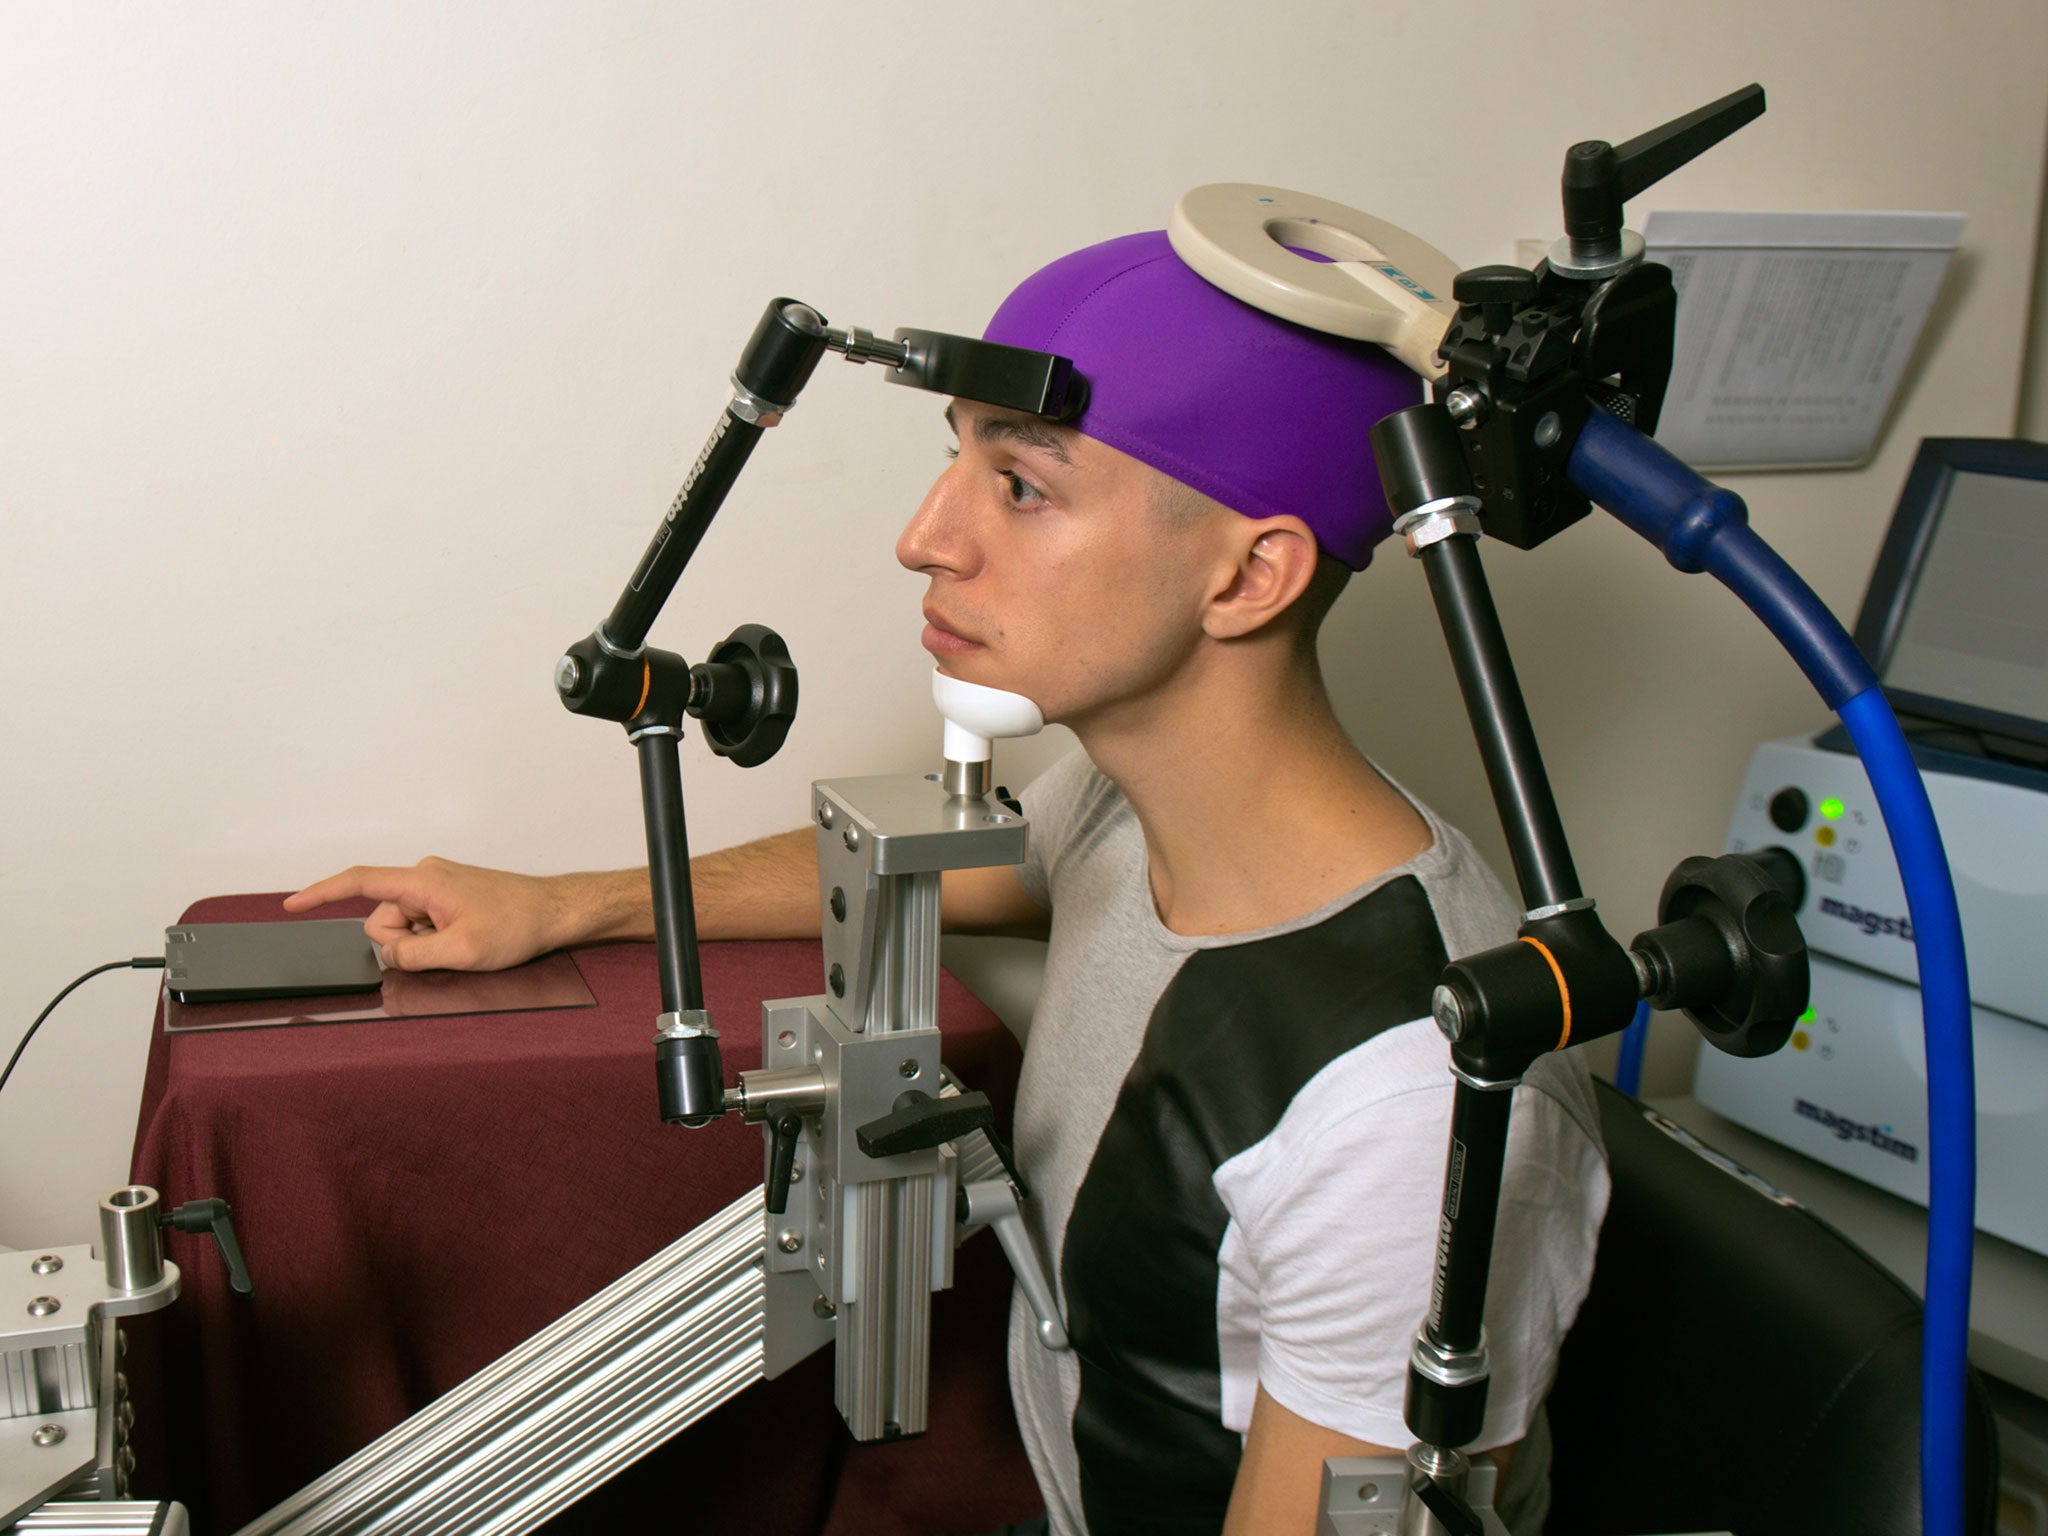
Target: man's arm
<point>438,914</point>
<point>1281,1476</point>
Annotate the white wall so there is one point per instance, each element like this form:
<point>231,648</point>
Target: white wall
<point>352,353</point>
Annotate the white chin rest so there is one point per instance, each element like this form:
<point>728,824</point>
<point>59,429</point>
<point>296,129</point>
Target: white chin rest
<point>975,716</point>
<point>1381,284</point>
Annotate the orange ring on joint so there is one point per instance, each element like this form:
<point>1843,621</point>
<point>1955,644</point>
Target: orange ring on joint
<point>1564,995</point>
<point>647,687</point>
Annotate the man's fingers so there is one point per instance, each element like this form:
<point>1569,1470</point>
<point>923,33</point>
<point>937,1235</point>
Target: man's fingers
<point>390,921</point>
<point>427,952</point>
<point>380,884</point>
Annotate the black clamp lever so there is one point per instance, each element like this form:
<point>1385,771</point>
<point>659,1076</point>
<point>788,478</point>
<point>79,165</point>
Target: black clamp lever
<point>212,1216</point>
<point>785,1131</point>
<point>1529,353</point>
<point>920,1122</point>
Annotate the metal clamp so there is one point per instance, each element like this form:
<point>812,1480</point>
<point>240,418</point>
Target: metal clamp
<point>1449,1367</point>
<point>1435,521</point>
<point>687,1024</point>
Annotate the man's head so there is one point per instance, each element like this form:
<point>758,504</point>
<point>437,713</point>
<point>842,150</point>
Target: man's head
<point>1211,497</point>
<point>1265,416</point>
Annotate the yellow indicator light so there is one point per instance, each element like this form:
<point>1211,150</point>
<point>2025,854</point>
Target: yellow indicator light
<point>1799,1041</point>
<point>1831,808</point>
<point>1825,836</point>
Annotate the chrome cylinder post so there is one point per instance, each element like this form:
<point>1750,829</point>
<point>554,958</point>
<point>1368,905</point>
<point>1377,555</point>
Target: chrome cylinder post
<point>131,1238</point>
<point>971,781</point>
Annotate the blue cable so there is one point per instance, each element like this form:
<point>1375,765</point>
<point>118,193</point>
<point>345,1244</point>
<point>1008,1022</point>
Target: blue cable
<point>1628,1067</point>
<point>1702,527</point>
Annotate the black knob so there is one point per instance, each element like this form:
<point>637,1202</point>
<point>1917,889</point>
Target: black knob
<point>1789,809</point>
<point>1498,291</point>
<point>745,693</point>
<point>1494,285</point>
<point>1729,953</point>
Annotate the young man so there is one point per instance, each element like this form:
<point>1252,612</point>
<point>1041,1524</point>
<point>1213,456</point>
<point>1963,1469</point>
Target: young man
<point>1234,1105</point>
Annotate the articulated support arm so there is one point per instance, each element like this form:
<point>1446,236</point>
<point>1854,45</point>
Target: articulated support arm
<point>1728,948</point>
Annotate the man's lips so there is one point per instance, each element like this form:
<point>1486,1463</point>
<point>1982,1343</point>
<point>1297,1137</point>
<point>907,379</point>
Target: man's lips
<point>941,639</point>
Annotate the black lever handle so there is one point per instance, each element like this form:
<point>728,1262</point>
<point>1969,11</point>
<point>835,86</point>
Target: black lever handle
<point>920,1122</point>
<point>787,1131</point>
<point>212,1216</point>
<point>1599,177</point>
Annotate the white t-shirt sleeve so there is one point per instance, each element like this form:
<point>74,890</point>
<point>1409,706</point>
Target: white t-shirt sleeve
<point>1327,1262</point>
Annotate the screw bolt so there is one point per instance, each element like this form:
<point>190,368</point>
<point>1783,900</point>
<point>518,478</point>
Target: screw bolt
<point>568,675</point>
<point>43,1306</point>
<point>789,1240</point>
<point>825,814</point>
<point>48,1264</point>
<point>1466,406</point>
<point>1448,1012</point>
<point>852,839</point>
<point>836,980</point>
<point>909,1068</point>
<point>1548,430</point>
<point>820,1307</point>
<point>48,1434</point>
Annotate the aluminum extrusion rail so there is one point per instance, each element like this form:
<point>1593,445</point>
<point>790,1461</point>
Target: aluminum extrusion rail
<point>586,1396</point>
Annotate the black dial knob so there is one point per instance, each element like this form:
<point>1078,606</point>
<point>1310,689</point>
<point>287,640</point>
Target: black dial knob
<point>745,693</point>
<point>1729,953</point>
<point>1789,809</point>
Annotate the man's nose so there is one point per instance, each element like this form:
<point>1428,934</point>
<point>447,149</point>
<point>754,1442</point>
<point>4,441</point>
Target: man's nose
<point>936,537</point>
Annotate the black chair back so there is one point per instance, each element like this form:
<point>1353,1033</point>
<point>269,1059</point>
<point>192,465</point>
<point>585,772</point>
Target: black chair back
<point>1738,1365</point>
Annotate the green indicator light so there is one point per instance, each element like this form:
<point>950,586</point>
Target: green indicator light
<point>1807,1017</point>
<point>1832,808</point>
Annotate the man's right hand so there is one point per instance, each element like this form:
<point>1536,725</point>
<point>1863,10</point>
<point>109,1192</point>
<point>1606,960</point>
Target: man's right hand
<point>439,915</point>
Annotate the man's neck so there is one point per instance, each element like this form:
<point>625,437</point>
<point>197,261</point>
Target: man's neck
<point>1255,806</point>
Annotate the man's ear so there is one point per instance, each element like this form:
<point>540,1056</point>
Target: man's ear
<point>1275,558</point>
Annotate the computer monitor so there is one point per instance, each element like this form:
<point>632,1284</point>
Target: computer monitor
<point>1956,617</point>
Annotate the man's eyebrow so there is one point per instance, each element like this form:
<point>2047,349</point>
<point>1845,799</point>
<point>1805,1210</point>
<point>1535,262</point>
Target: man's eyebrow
<point>1018,429</point>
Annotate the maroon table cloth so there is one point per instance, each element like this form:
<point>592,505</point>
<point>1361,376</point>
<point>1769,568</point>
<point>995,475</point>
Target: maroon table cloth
<point>416,1197</point>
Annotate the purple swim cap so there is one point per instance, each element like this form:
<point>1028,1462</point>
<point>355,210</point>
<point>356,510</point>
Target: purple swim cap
<point>1263,415</point>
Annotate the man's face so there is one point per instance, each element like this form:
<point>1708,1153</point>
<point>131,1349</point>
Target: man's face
<point>1053,573</point>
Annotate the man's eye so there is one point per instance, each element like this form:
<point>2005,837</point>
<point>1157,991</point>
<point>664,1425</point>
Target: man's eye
<point>1020,490</point>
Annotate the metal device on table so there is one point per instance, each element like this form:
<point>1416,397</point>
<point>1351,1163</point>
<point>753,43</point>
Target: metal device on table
<point>1951,621</point>
<point>1519,360</point>
<point>65,1414</point>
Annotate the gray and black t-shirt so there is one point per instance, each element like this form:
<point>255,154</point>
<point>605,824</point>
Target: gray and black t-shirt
<point>1235,1146</point>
